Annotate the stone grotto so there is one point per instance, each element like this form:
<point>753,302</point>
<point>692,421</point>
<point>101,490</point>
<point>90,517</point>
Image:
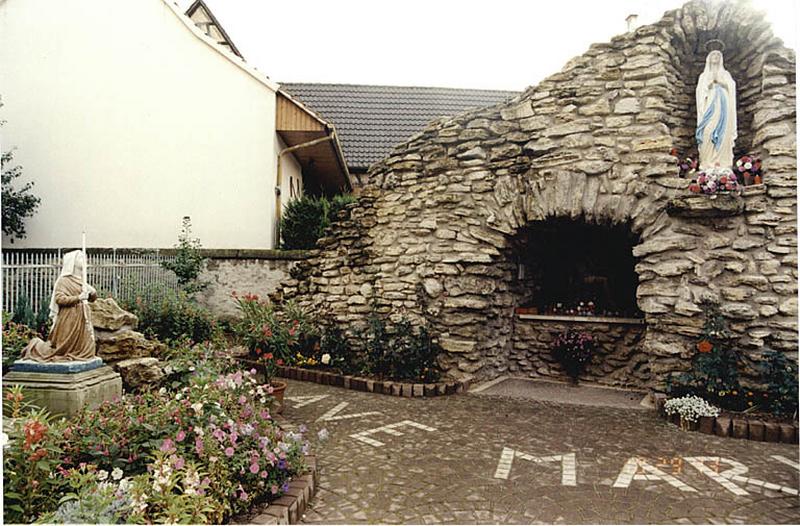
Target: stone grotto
<point>495,225</point>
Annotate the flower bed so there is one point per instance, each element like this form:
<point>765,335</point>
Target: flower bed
<point>199,452</point>
<point>735,425</point>
<point>369,385</point>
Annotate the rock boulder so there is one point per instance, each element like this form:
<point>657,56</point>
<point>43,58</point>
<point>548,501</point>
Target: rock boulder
<point>107,315</point>
<point>138,372</point>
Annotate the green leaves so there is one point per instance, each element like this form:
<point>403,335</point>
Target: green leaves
<point>305,219</point>
<point>17,204</point>
<point>188,262</point>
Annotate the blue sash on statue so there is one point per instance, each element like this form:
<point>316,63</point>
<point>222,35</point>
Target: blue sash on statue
<point>716,134</point>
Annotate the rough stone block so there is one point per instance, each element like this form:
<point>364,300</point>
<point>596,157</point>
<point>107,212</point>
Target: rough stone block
<point>408,390</point>
<point>788,434</point>
<point>370,386</point>
<point>337,380</point>
<point>430,390</point>
<point>722,426</point>
<point>756,430</point>
<point>347,383</point>
<point>739,428</point>
<point>265,518</point>
<point>706,425</point>
<point>419,390</point>
<point>772,432</point>
<point>397,389</point>
<point>441,388</point>
<point>67,394</point>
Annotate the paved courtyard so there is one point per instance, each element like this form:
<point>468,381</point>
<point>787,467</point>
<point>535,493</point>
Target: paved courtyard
<point>479,459</point>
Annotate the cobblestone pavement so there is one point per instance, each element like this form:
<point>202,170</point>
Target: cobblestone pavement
<point>479,459</point>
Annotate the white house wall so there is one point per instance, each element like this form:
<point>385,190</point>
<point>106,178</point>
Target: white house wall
<point>127,121</point>
<point>291,174</point>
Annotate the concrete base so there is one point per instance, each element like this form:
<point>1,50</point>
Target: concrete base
<point>67,394</point>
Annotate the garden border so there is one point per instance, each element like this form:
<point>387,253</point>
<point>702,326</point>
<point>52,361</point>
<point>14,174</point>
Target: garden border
<point>727,425</point>
<point>387,387</point>
<point>289,507</point>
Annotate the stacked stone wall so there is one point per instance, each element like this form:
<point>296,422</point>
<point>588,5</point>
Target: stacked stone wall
<point>431,234</point>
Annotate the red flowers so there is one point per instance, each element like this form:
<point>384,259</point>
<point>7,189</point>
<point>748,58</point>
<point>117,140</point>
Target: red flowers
<point>34,432</point>
<point>704,346</point>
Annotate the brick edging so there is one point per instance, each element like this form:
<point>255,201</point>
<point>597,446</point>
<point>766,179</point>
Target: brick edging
<point>735,427</point>
<point>290,507</point>
<point>387,387</point>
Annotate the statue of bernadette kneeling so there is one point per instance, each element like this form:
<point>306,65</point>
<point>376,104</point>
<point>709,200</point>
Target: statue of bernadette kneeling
<point>72,338</point>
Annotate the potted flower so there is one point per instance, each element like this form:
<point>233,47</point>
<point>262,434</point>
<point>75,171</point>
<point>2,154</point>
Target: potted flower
<point>748,168</point>
<point>269,336</point>
<point>269,366</point>
<point>574,350</point>
<point>689,409</point>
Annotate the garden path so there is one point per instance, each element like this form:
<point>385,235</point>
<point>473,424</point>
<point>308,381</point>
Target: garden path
<point>480,459</point>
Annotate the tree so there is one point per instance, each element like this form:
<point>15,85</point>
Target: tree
<point>18,204</point>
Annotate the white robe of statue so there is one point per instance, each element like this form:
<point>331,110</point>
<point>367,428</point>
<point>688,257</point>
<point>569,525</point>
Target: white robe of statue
<point>716,115</point>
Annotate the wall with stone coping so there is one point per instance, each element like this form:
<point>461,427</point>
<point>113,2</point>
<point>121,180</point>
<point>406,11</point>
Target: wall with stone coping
<point>244,271</point>
<point>619,361</point>
<point>433,229</point>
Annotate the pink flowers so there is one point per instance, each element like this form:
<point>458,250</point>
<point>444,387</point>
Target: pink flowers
<point>168,446</point>
<point>229,451</point>
<point>254,468</point>
<point>180,436</point>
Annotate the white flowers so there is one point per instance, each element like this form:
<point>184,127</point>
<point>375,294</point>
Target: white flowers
<point>326,359</point>
<point>198,407</point>
<point>690,408</point>
<point>322,434</point>
<point>116,474</point>
<point>4,440</point>
<point>102,475</point>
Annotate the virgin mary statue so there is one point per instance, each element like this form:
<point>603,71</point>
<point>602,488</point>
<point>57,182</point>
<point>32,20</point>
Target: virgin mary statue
<point>71,338</point>
<point>716,115</point>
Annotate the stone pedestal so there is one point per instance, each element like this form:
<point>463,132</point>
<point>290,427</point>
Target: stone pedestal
<point>66,393</point>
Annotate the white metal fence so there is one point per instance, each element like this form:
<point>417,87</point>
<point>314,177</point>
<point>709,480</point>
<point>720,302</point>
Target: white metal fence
<point>30,275</point>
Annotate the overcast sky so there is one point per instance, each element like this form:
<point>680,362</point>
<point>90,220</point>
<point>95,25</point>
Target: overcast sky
<point>492,44</point>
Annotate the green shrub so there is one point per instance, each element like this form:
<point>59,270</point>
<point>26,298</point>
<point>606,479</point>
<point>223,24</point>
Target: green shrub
<point>188,262</point>
<point>305,219</point>
<point>780,377</point>
<point>399,351</point>
<point>25,315</point>
<point>714,375</point>
<point>15,337</point>
<point>173,317</point>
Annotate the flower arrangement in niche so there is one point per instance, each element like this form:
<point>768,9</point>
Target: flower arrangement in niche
<point>748,168</point>
<point>574,350</point>
<point>686,165</point>
<point>716,181</point>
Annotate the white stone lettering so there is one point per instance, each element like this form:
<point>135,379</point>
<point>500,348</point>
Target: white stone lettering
<point>568,464</point>
<point>787,461</point>
<point>333,414</point>
<point>390,429</point>
<point>631,471</point>
<point>737,468</point>
<point>302,401</point>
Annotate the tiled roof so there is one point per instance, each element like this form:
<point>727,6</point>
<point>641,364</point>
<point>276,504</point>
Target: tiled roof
<point>370,120</point>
